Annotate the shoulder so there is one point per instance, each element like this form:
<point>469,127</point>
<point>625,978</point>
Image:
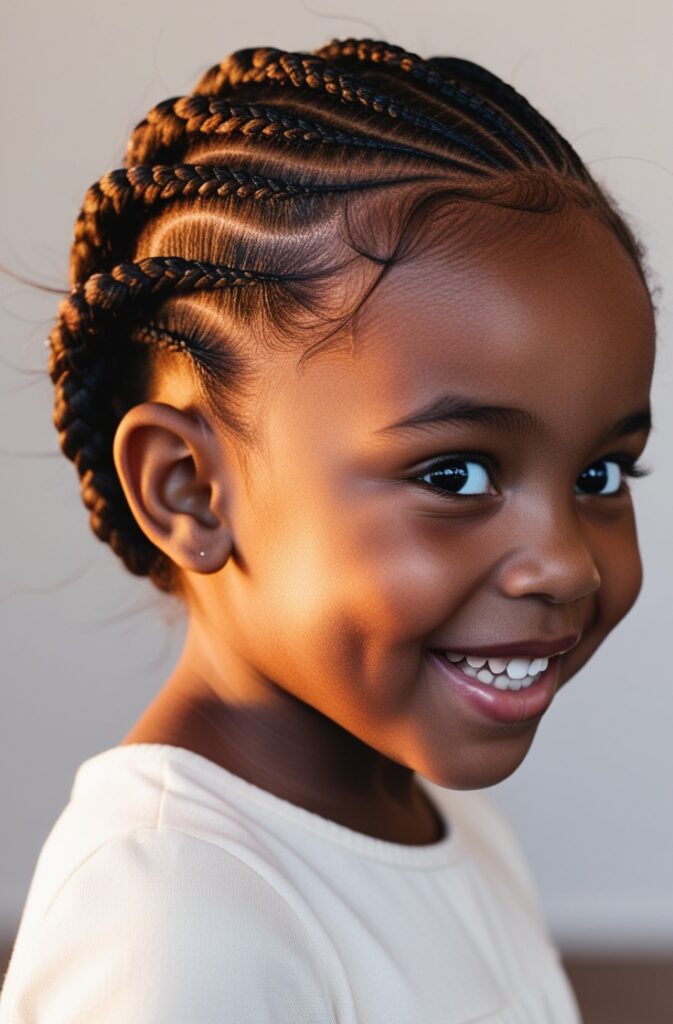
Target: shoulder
<point>160,925</point>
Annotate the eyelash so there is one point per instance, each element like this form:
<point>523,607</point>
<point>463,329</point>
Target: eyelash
<point>630,466</point>
<point>627,463</point>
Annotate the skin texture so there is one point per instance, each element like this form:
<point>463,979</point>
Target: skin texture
<point>329,571</point>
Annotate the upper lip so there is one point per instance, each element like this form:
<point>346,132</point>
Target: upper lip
<point>522,648</point>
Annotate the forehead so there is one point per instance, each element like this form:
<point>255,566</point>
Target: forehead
<point>543,311</point>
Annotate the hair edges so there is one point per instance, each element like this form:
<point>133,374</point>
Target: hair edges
<point>98,243</point>
<point>540,191</point>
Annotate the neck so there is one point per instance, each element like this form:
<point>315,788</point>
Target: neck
<point>286,747</point>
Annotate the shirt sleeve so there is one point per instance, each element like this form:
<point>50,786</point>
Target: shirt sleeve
<point>162,927</point>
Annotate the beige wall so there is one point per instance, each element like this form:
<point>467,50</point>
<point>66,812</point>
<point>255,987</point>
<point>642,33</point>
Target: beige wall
<point>84,645</point>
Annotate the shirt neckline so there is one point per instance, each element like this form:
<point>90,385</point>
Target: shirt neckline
<point>429,855</point>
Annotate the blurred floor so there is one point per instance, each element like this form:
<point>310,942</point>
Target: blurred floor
<point>609,990</point>
<point>612,990</point>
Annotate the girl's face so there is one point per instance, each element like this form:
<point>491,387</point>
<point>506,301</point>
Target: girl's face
<point>349,568</point>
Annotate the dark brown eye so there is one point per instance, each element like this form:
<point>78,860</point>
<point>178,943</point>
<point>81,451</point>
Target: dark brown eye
<point>458,477</point>
<point>602,477</point>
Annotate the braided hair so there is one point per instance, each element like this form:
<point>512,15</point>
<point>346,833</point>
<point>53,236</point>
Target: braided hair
<point>229,203</point>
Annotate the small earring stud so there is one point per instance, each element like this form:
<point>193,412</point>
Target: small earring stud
<point>202,553</point>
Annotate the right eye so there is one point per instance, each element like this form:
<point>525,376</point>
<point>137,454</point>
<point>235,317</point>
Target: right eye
<point>457,477</point>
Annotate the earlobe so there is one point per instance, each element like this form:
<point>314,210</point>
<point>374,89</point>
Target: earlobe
<point>171,471</point>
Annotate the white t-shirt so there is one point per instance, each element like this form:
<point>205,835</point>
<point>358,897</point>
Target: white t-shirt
<point>171,891</point>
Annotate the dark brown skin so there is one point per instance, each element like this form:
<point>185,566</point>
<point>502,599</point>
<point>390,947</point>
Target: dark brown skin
<point>329,573</point>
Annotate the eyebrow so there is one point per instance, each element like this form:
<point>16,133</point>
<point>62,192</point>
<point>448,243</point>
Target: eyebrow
<point>457,409</point>
<point>631,424</point>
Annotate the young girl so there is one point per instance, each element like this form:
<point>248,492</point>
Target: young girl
<point>356,362</point>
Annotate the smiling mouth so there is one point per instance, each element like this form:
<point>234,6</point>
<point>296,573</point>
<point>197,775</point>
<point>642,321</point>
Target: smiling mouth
<point>515,665</point>
<point>503,700</point>
<point>502,673</point>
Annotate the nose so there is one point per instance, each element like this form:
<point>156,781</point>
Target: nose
<point>550,558</point>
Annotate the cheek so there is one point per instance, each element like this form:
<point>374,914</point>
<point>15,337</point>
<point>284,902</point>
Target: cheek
<point>371,575</point>
<point>621,570</point>
<point>619,563</point>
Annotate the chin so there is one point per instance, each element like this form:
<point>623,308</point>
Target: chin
<point>485,765</point>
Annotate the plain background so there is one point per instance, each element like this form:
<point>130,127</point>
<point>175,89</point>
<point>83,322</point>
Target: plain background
<point>85,646</point>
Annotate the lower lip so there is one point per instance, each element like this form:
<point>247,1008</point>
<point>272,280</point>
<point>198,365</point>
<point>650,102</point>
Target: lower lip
<point>507,706</point>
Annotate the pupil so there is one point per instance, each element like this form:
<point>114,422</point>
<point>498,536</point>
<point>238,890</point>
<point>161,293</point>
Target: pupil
<point>454,475</point>
<point>595,477</point>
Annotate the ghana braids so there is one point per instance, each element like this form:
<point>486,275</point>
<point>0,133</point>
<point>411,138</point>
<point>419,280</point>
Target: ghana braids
<point>229,194</point>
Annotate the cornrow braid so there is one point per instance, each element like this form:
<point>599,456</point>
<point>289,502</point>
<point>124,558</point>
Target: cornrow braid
<point>449,75</point>
<point>101,224</point>
<point>170,126</point>
<point>112,197</point>
<point>84,412</point>
<point>568,161</point>
<point>385,56</point>
<point>157,274</point>
<point>160,337</point>
<point>82,417</point>
<point>270,149</point>
<point>128,283</point>
<point>304,71</point>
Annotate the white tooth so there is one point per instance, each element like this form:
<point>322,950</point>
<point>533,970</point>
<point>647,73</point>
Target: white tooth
<point>497,665</point>
<point>515,684</point>
<point>518,668</point>
<point>544,664</point>
<point>469,671</point>
<point>475,661</point>
<point>526,682</point>
<point>539,665</point>
<point>501,682</point>
<point>484,676</point>
<point>454,657</point>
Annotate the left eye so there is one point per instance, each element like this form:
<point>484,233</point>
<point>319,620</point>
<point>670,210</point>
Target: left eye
<point>459,476</point>
<point>603,477</point>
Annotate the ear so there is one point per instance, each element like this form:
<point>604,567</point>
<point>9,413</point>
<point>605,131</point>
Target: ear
<point>171,469</point>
